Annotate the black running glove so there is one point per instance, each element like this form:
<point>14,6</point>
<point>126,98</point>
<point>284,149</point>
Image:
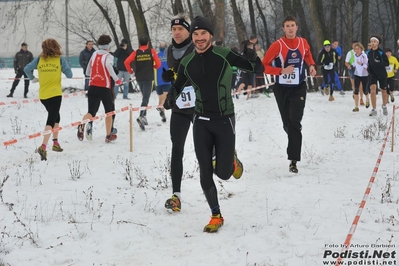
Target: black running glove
<point>258,66</point>
<point>167,75</point>
<point>169,101</point>
<point>249,53</point>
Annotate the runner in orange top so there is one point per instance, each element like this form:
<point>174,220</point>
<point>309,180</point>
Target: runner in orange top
<point>285,58</point>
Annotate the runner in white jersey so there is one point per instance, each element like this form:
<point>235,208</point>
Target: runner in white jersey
<point>361,74</point>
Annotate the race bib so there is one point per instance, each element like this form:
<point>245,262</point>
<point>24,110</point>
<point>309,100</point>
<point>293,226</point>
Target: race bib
<point>186,98</point>
<point>290,79</point>
<point>389,68</point>
<point>329,66</point>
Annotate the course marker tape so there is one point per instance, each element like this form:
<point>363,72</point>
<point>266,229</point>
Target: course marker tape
<point>365,196</point>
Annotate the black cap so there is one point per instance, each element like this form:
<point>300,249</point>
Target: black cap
<point>202,23</point>
<point>124,41</point>
<point>24,44</point>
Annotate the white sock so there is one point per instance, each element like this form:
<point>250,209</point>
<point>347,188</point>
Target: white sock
<point>177,194</point>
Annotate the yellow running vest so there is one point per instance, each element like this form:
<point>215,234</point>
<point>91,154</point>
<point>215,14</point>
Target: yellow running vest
<point>49,71</point>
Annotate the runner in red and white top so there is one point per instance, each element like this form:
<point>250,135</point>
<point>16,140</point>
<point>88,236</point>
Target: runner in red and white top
<point>285,58</point>
<point>100,70</point>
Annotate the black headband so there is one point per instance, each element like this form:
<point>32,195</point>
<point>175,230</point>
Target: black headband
<point>182,22</point>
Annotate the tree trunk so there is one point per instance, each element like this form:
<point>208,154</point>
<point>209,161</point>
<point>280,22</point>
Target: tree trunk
<point>317,16</point>
<point>206,8</point>
<point>122,21</point>
<point>108,19</point>
<point>287,8</point>
<point>333,19</point>
<point>365,22</point>
<point>395,6</point>
<point>252,16</point>
<point>190,9</point>
<point>349,26</point>
<point>138,14</point>
<point>177,7</point>
<point>264,21</point>
<point>303,28</point>
<point>239,23</point>
<point>219,26</point>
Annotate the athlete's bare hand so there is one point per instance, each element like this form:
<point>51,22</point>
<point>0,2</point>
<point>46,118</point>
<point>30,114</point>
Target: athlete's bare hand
<point>312,70</point>
<point>288,70</point>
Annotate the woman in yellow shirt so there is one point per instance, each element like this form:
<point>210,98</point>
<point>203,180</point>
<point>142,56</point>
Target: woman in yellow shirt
<point>392,69</point>
<point>49,66</point>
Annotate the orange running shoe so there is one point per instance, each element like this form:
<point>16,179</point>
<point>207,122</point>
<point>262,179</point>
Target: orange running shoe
<point>214,224</point>
<point>238,167</point>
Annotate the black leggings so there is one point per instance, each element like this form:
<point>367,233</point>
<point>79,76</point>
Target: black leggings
<point>218,134</point>
<point>364,81</point>
<point>391,84</point>
<point>291,103</point>
<point>52,106</point>
<point>329,74</point>
<point>145,87</point>
<point>179,126</point>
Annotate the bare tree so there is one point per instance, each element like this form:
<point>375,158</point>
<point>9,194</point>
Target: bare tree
<point>239,23</point>
<point>177,6</point>
<point>317,16</point>
<point>365,21</point>
<point>219,26</point>
<point>206,8</point>
<point>122,21</point>
<point>138,14</point>
<point>252,16</point>
<point>303,29</point>
<point>264,22</point>
<point>287,8</point>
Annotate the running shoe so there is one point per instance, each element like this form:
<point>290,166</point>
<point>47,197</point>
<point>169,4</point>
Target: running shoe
<point>81,129</point>
<point>89,131</point>
<point>373,112</point>
<point>392,98</point>
<point>57,148</point>
<point>144,119</point>
<point>327,90</point>
<point>173,203</point>
<point>162,114</point>
<point>238,167</point>
<point>141,122</point>
<point>214,224</point>
<point>110,138</point>
<point>331,98</point>
<point>43,153</point>
<point>293,167</point>
<point>367,103</point>
<point>356,109</point>
<point>384,110</point>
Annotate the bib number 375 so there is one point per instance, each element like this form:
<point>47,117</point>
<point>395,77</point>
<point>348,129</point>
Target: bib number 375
<point>290,79</point>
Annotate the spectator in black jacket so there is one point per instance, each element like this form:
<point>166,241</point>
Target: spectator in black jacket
<point>21,59</point>
<point>84,59</point>
<point>121,54</point>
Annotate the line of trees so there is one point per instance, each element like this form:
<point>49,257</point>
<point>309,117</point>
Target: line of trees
<point>233,20</point>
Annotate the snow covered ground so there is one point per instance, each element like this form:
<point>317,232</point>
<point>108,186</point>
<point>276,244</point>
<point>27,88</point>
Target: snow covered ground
<point>100,204</point>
